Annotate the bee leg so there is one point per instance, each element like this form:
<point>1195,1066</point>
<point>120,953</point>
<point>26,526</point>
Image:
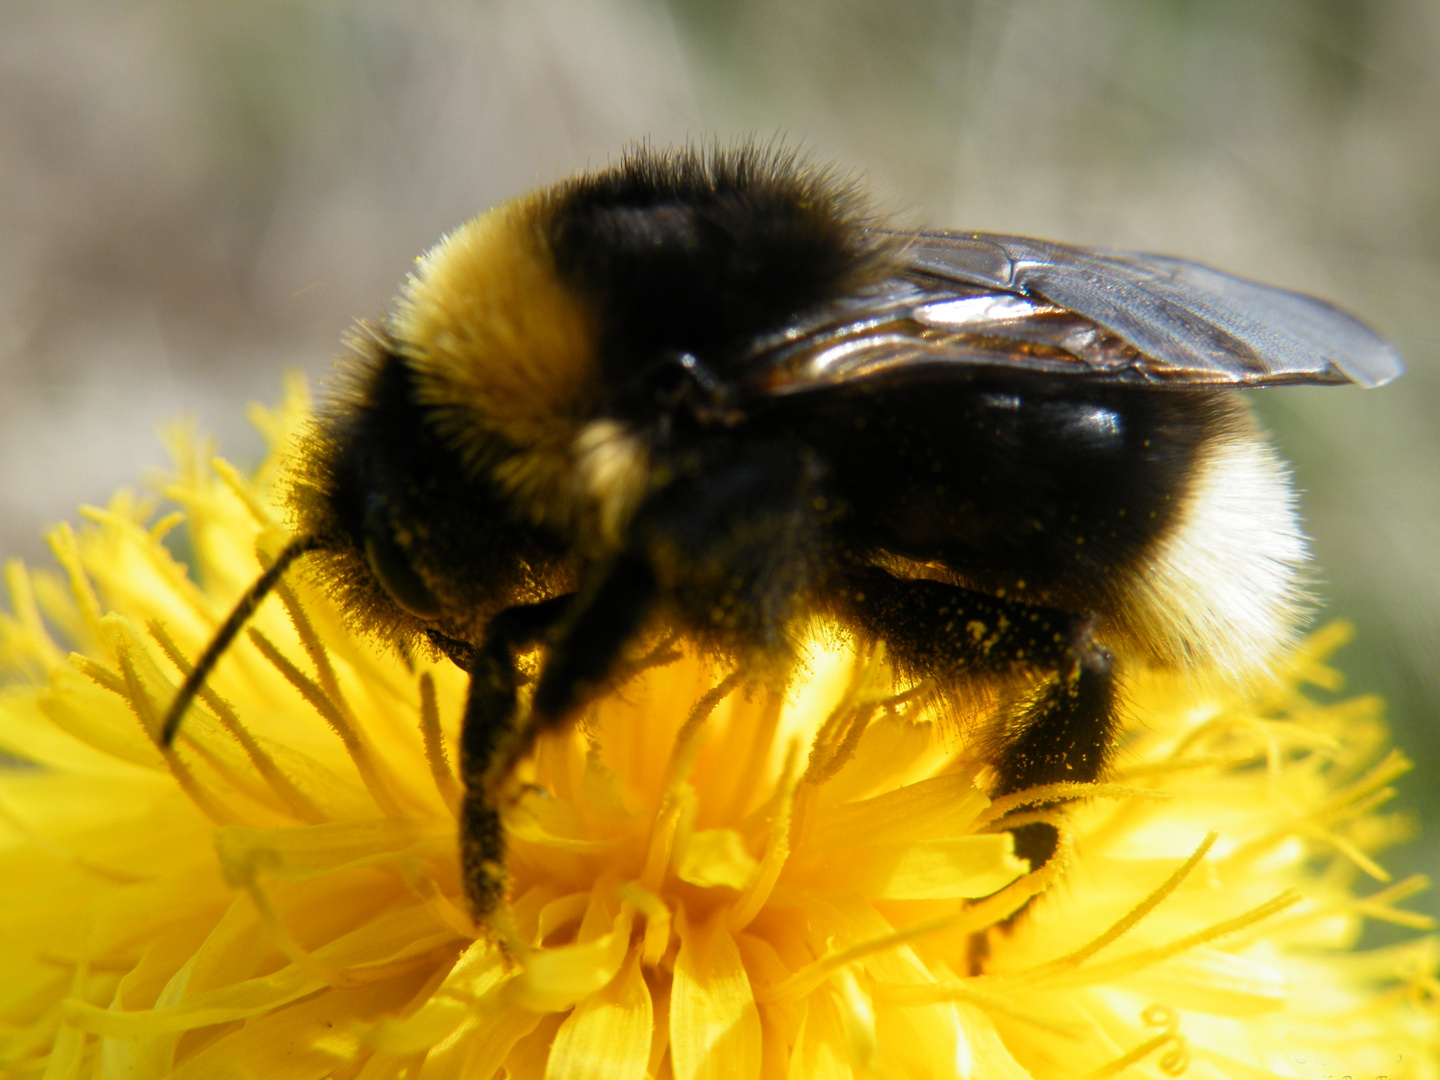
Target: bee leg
<point>1067,729</point>
<point>1065,734</point>
<point>583,652</point>
<point>486,729</point>
<point>585,633</point>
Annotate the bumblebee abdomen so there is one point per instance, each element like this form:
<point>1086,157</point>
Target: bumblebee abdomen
<point>1119,501</point>
<point>1015,485</point>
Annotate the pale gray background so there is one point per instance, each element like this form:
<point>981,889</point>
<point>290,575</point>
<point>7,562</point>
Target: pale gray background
<point>195,197</point>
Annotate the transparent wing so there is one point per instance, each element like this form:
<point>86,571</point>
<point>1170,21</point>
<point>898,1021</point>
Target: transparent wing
<point>1210,325</point>
<point>976,301</point>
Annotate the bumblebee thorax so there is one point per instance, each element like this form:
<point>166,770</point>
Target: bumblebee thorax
<point>497,344</point>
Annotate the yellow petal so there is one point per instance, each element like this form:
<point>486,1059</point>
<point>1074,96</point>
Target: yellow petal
<point>303,1041</point>
<point>450,1010</point>
<point>714,1025</point>
<point>301,852</point>
<point>495,1037</point>
<point>1211,981</point>
<point>717,857</point>
<point>936,808</point>
<point>557,978</point>
<point>607,1037</point>
<point>820,1050</point>
<point>961,866</point>
<point>30,733</point>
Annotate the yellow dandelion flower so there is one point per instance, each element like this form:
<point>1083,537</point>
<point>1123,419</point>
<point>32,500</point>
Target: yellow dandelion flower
<point>709,879</point>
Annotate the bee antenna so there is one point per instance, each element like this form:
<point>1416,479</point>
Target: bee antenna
<point>239,616</point>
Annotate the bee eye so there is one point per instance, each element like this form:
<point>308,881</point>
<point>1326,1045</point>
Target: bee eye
<point>392,566</point>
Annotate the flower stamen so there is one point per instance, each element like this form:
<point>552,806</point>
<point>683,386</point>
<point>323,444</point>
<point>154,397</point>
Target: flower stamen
<point>445,782</point>
<point>777,848</point>
<point>291,796</point>
<point>1145,958</point>
<point>1131,917</point>
<point>339,722</point>
<point>1173,1062</point>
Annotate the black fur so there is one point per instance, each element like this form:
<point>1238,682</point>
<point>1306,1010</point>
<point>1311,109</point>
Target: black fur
<point>1016,484</point>
<point>377,461</point>
<point>702,251</point>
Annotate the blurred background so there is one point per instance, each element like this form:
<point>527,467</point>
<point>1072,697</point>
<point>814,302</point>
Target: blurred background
<point>197,197</point>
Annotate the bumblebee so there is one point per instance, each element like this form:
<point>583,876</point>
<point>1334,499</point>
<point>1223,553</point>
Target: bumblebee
<point>708,390</point>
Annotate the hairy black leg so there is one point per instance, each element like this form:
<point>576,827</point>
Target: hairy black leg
<point>742,544</point>
<point>585,633</point>
<point>1066,730</point>
<point>584,646</point>
<point>933,628</point>
<point>1066,734</point>
<point>484,734</point>
<point>602,621</point>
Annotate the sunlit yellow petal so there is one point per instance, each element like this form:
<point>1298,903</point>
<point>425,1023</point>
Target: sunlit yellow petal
<point>967,866</point>
<point>557,978</point>
<point>717,857</point>
<point>820,1051</point>
<point>714,1024</point>
<point>607,1035</point>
